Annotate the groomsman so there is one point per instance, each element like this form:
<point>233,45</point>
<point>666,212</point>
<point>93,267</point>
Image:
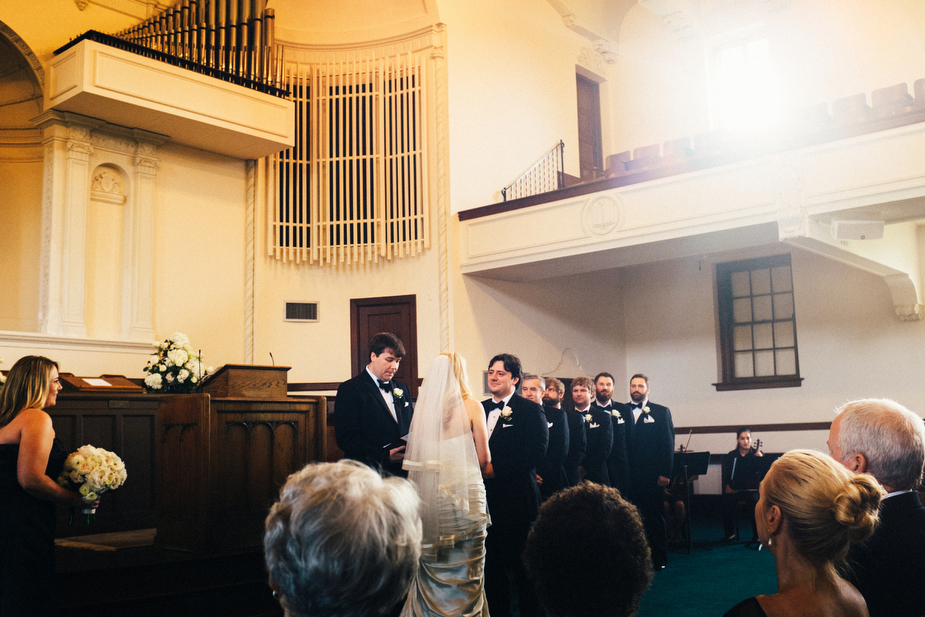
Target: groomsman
<point>617,463</point>
<point>372,412</point>
<point>598,431</point>
<point>578,443</point>
<point>650,440</point>
<point>550,473</point>
<point>518,436</point>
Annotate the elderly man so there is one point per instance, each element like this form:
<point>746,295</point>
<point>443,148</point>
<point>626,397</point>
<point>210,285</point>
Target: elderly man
<point>886,440</point>
<point>550,473</point>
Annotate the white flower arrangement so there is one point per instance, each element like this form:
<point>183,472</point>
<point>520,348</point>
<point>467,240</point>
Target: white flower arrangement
<point>588,417</point>
<point>92,471</point>
<point>397,392</point>
<point>646,409</point>
<point>615,414</point>
<point>175,368</point>
<point>506,413</point>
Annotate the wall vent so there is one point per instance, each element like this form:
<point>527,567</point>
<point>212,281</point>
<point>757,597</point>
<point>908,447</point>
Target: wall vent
<point>301,311</point>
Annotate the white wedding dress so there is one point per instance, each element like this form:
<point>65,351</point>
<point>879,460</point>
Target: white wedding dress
<point>442,463</point>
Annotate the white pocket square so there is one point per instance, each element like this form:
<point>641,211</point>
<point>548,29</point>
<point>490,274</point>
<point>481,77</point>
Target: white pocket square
<point>595,425</point>
<point>648,420</point>
<point>549,424</point>
<point>621,421</point>
<point>506,425</point>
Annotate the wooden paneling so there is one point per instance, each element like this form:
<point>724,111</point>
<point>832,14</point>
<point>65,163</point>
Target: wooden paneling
<point>224,463</point>
<point>125,425</point>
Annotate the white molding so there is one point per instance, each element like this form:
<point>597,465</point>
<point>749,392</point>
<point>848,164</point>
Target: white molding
<point>32,340</point>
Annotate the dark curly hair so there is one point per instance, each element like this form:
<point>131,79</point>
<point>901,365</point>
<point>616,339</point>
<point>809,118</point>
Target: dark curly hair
<point>587,554</point>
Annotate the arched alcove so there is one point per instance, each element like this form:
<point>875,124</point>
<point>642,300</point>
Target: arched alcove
<point>21,165</point>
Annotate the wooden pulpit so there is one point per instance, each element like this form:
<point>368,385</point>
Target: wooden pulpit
<point>222,460</point>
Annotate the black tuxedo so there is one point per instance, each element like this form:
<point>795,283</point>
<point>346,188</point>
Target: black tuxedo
<point>650,442</point>
<point>578,445</point>
<point>618,468</point>
<point>599,433</point>
<point>363,424</point>
<point>517,446</point>
<point>552,469</point>
<point>889,569</point>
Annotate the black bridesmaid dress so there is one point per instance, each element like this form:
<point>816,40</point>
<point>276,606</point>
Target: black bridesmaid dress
<point>27,540</point>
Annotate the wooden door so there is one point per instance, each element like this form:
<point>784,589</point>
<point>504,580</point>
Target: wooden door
<point>590,150</point>
<point>395,314</point>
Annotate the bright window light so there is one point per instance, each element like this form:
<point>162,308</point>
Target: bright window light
<point>744,86</point>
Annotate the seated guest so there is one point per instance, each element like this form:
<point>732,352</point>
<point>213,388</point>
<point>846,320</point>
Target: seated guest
<point>886,440</point>
<point>343,541</point>
<point>811,509</point>
<point>587,554</point>
<point>736,490</point>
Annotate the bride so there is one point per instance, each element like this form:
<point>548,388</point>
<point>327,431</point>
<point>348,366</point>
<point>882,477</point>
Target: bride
<point>446,454</point>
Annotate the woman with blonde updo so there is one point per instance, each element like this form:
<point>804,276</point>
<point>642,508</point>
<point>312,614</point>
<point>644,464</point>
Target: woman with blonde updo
<point>810,509</point>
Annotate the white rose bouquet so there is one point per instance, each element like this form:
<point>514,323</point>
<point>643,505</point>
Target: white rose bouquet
<point>175,368</point>
<point>92,471</point>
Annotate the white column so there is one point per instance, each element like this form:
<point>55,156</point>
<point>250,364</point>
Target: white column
<point>77,192</point>
<point>140,276</point>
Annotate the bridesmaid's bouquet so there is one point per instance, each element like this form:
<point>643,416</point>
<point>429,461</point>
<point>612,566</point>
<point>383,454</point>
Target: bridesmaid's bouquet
<point>91,472</point>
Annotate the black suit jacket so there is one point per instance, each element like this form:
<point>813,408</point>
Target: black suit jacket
<point>578,445</point>
<point>363,424</point>
<point>517,446</point>
<point>889,569</point>
<point>618,467</point>
<point>650,446</point>
<point>599,433</point>
<point>552,468</point>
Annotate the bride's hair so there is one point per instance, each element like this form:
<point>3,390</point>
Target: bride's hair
<point>459,370</point>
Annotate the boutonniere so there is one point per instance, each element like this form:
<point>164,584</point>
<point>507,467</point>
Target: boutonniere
<point>397,392</point>
<point>506,414</point>
<point>588,418</point>
<point>615,414</point>
<point>646,409</point>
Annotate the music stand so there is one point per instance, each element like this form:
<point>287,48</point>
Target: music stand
<point>689,464</point>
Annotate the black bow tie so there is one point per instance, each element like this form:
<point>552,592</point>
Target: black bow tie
<point>493,405</point>
<point>636,405</point>
<point>385,385</point>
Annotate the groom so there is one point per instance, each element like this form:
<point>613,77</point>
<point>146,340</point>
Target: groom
<point>517,439</point>
<point>373,412</point>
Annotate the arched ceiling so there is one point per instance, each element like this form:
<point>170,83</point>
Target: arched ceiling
<point>20,92</point>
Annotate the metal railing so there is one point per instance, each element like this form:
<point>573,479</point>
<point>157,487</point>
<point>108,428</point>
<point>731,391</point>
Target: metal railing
<point>547,174</point>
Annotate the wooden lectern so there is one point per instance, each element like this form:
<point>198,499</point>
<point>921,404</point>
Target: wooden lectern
<point>224,454</point>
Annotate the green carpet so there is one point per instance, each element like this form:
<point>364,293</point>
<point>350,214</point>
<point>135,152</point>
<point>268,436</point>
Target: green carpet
<point>711,580</point>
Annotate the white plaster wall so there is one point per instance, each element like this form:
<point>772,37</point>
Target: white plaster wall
<point>199,252</point>
<point>539,321</point>
<point>850,346</point>
<point>822,51</point>
<point>512,93</point>
<point>320,352</point>
<point>20,247</point>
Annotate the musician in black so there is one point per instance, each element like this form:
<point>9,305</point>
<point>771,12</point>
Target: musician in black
<point>741,476</point>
